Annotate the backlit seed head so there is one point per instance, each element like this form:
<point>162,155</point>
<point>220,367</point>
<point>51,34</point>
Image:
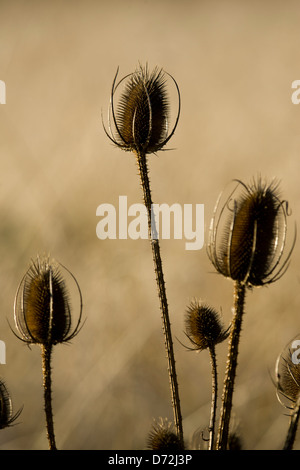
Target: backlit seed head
<point>139,120</point>
<point>203,326</point>
<point>6,410</point>
<point>287,372</point>
<point>163,437</point>
<point>248,234</point>
<point>42,305</point>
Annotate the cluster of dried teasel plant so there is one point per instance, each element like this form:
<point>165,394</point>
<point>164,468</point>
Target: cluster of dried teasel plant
<point>247,244</point>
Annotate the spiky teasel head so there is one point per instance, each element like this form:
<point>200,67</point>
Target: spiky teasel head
<point>163,437</point>
<point>6,410</point>
<point>140,118</point>
<point>248,238</point>
<point>203,326</point>
<point>42,305</point>
<point>287,376</point>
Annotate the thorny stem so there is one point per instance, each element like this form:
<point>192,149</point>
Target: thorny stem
<point>239,299</point>
<point>143,170</point>
<point>46,363</point>
<point>292,431</point>
<point>214,396</point>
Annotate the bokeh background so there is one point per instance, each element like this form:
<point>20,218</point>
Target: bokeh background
<point>234,63</point>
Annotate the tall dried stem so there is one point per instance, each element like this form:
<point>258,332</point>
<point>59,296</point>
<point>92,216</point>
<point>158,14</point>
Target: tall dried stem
<point>229,382</point>
<point>143,171</point>
<point>214,396</point>
<point>46,367</point>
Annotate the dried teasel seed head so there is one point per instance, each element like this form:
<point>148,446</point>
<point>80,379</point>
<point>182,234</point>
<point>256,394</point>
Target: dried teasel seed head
<point>287,375</point>
<point>247,239</point>
<point>6,410</point>
<point>140,118</point>
<point>203,326</point>
<point>163,437</point>
<point>42,305</point>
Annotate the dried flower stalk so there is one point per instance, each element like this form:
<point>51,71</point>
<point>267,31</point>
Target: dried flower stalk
<point>249,249</point>
<point>141,126</point>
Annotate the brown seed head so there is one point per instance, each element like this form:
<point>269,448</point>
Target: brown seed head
<point>6,411</point>
<point>140,119</point>
<point>203,326</point>
<point>163,437</point>
<point>248,239</point>
<point>42,305</point>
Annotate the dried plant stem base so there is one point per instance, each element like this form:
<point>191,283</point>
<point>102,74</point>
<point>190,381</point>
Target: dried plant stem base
<point>46,364</point>
<point>234,338</point>
<point>292,431</point>
<point>214,396</point>
<point>143,171</point>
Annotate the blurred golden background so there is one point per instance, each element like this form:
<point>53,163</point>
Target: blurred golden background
<point>234,63</point>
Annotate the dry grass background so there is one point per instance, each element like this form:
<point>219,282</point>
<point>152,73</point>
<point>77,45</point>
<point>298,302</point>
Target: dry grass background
<point>234,63</point>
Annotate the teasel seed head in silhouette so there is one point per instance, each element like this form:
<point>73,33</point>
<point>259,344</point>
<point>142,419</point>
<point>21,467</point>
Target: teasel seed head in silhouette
<point>139,121</point>
<point>203,326</point>
<point>42,304</point>
<point>163,437</point>
<point>248,234</point>
<point>7,417</point>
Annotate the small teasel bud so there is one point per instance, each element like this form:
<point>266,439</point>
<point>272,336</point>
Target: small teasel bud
<point>163,437</point>
<point>249,236</point>
<point>6,410</point>
<point>42,305</point>
<point>204,329</point>
<point>203,326</point>
<point>141,117</point>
